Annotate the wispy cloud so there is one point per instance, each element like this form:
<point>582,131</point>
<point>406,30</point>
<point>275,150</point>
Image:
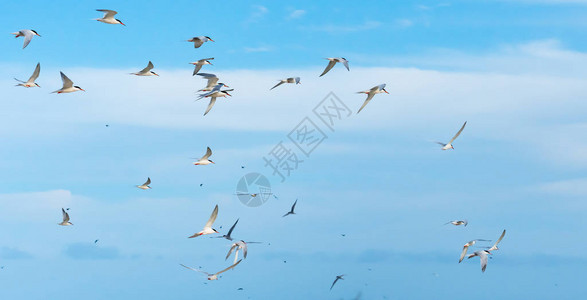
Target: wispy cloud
<point>335,28</point>
<point>259,11</point>
<point>297,13</point>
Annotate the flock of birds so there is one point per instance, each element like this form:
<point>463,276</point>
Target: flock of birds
<point>213,90</point>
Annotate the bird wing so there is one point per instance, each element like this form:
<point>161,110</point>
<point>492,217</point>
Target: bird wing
<point>280,83</point>
<point>212,217</point>
<point>208,153</point>
<point>346,64</point>
<point>210,105</point>
<point>369,97</point>
<point>28,36</point>
<point>238,262</point>
<point>328,67</point>
<point>197,69</point>
<point>148,181</point>
<point>107,13</point>
<point>35,73</point>
<point>244,247</point>
<point>483,259</point>
<point>232,228</point>
<point>195,269</point>
<point>465,248</point>
<point>500,238</point>
<point>378,88</point>
<point>197,42</point>
<point>333,283</point>
<point>205,59</point>
<point>212,79</point>
<point>148,68</point>
<point>294,205</point>
<point>67,83</point>
<point>458,133</point>
<point>230,251</point>
<point>65,215</point>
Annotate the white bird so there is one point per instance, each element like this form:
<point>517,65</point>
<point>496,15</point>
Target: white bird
<point>68,86</point>
<point>65,221</point>
<point>457,222</point>
<point>449,144</point>
<point>466,247</point>
<point>494,247</point>
<point>295,80</point>
<point>372,92</point>
<point>204,160</point>
<point>291,212</point>
<point>28,36</point>
<point>198,64</point>
<point>213,94</point>
<point>145,186</point>
<point>199,40</point>
<point>338,277</point>
<point>215,275</point>
<point>333,61</point>
<point>228,235</point>
<point>31,81</point>
<point>482,256</point>
<point>108,17</point>
<point>146,71</point>
<point>212,82</point>
<point>208,227</point>
<point>240,245</point>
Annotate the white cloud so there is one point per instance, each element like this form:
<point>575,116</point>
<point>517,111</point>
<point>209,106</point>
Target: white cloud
<point>297,13</point>
<point>259,11</point>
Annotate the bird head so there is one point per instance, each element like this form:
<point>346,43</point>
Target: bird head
<point>212,162</point>
<point>209,38</point>
<point>79,88</point>
<point>120,22</point>
<point>35,33</point>
<point>154,73</point>
<point>208,62</point>
<point>37,85</point>
<point>385,91</point>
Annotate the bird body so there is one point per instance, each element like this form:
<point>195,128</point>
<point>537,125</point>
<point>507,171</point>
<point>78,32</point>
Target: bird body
<point>333,61</point>
<point>449,144</point>
<point>199,40</point>
<point>338,277</point>
<point>208,227</point>
<point>215,275</point>
<point>200,63</point>
<point>68,86</point>
<point>295,80</point>
<point>65,221</point>
<point>108,17</point>
<point>291,212</point>
<point>146,71</point>
<point>371,93</point>
<point>145,186</point>
<point>205,159</point>
<point>31,82</point>
<point>27,34</point>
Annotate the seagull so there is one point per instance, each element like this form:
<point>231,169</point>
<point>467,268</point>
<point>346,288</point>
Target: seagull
<point>228,235</point>
<point>204,160</point>
<point>333,61</point>
<point>295,80</point>
<point>449,145</point>
<point>208,227</point>
<point>494,247</point>
<point>338,277</point>
<point>199,40</point>
<point>198,65</point>
<point>215,275</point>
<point>31,82</point>
<point>291,212</point>
<point>28,36</point>
<point>65,219</point>
<point>240,245</point>
<point>145,186</point>
<point>215,93</point>
<point>108,17</point>
<point>68,86</point>
<point>483,256</point>
<point>371,92</point>
<point>146,71</point>
<point>212,82</point>
<point>457,222</point>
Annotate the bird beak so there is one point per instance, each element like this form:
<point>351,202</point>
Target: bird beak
<point>155,74</point>
<point>82,89</point>
<point>229,94</point>
<point>37,34</point>
<point>212,40</point>
<point>210,63</point>
<point>385,91</point>
<point>122,23</point>
<point>226,85</point>
<point>193,63</point>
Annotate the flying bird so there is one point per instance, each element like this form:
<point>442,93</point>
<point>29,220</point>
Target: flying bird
<point>338,277</point>
<point>199,40</point>
<point>467,245</point>
<point>482,256</point>
<point>65,221</point>
<point>68,86</point>
<point>291,212</point>
<point>449,144</point>
<point>215,275</point>
<point>372,92</point>
<point>494,247</point>
<point>108,17</point>
<point>28,36</point>
<point>205,159</point>
<point>208,227</point>
<point>198,64</point>
<point>295,80</point>
<point>212,82</point>
<point>240,245</point>
<point>31,82</point>
<point>213,94</point>
<point>333,61</point>
<point>457,222</point>
<point>145,186</point>
<point>146,71</point>
<point>228,235</point>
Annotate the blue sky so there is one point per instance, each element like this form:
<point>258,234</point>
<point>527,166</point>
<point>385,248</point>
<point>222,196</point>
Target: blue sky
<point>513,69</point>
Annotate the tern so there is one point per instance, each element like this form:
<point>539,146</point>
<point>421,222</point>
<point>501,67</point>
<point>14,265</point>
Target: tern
<point>108,17</point>
<point>199,40</point>
<point>228,235</point>
<point>68,86</point>
<point>145,186</point>
<point>208,227</point>
<point>215,93</point>
<point>494,247</point>
<point>205,159</point>
<point>146,71</point>
<point>457,222</point>
<point>482,256</point>
<point>28,36</point>
<point>295,80</point>
<point>215,275</point>
<point>291,212</point>
<point>333,61</point>
<point>198,65</point>
<point>338,277</point>
<point>212,82</point>
<point>65,221</point>
<point>372,92</point>
<point>466,247</point>
<point>449,144</point>
<point>31,81</point>
<point>240,245</point>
